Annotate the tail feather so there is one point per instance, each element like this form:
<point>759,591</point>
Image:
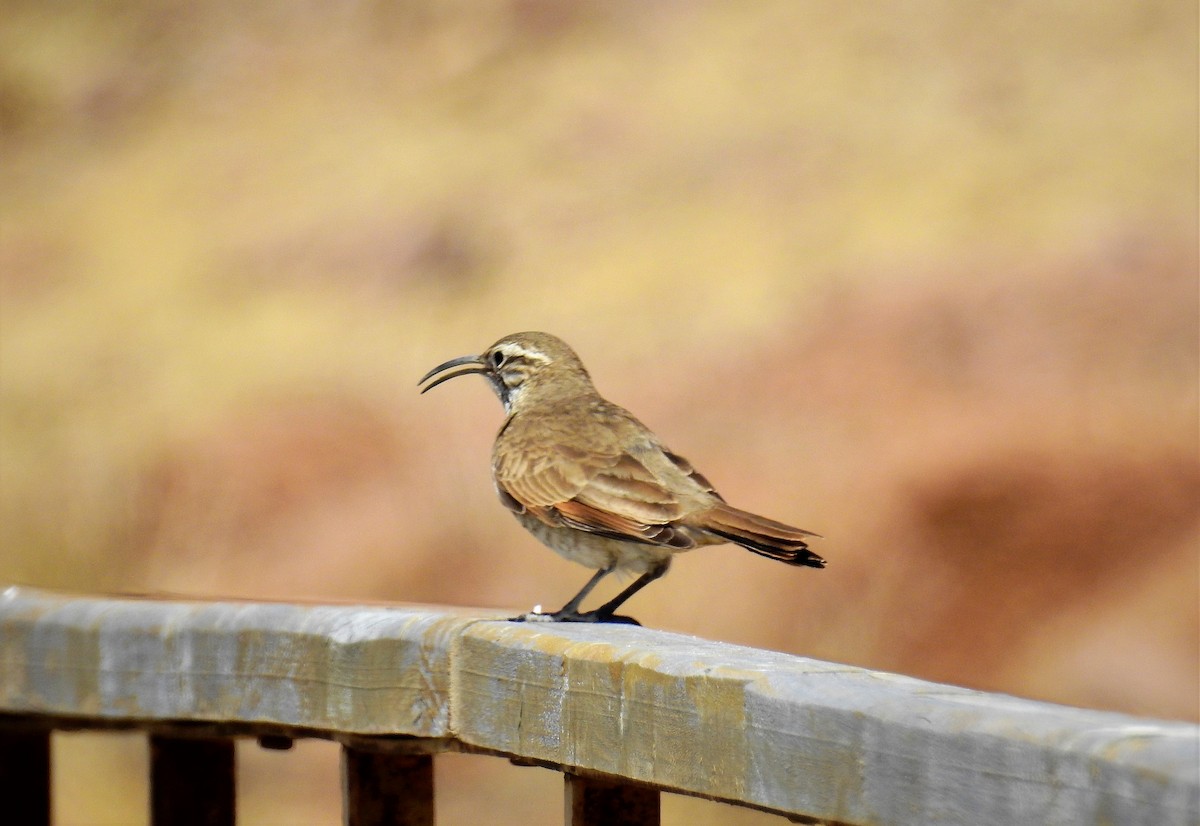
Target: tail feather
<point>763,536</point>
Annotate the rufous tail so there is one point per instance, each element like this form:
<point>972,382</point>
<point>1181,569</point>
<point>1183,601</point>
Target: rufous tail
<point>763,536</point>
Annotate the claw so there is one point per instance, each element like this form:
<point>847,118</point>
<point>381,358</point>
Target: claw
<point>576,616</point>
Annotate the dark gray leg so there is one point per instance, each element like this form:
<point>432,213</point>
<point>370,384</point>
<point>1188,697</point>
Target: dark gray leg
<point>605,613</point>
<point>570,611</point>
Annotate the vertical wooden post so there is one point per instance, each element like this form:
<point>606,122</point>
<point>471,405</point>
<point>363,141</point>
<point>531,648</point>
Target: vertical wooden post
<point>591,802</point>
<point>191,781</point>
<point>386,789</point>
<point>25,777</point>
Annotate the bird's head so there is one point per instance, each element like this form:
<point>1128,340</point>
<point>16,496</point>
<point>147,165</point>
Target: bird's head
<point>518,367</point>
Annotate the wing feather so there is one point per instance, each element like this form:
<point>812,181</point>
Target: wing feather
<point>633,495</point>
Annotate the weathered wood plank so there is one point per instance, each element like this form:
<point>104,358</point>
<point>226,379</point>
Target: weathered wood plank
<point>337,668</point>
<point>759,728</point>
<point>813,738</point>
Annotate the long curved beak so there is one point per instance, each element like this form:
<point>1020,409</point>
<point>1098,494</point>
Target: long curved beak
<point>470,364</point>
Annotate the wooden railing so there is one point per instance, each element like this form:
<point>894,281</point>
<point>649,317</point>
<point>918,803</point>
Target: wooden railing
<point>622,712</point>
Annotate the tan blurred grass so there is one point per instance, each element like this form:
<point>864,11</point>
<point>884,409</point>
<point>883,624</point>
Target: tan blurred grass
<point>920,278</point>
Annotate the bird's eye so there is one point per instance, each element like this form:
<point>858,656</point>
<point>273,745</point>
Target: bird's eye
<point>497,359</point>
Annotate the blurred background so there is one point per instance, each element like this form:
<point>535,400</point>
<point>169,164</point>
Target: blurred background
<point>919,277</point>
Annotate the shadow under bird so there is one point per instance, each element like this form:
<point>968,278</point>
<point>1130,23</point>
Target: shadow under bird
<point>596,485</point>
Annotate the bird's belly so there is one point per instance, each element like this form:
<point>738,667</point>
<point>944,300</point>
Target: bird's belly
<point>594,551</point>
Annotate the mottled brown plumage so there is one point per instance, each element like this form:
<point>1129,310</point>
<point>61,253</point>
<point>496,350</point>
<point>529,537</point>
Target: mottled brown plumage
<point>595,484</point>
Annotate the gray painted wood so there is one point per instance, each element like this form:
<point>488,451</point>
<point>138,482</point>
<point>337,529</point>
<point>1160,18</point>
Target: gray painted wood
<point>775,731</point>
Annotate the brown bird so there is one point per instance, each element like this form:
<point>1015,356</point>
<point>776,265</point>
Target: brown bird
<point>594,484</point>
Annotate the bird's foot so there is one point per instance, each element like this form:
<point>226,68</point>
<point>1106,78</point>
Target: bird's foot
<point>576,616</point>
<point>533,616</point>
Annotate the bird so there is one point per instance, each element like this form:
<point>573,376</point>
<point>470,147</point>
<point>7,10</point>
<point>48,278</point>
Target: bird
<point>594,484</point>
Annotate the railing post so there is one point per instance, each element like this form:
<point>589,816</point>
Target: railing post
<point>592,802</point>
<point>386,789</point>
<point>191,781</point>
<point>25,776</point>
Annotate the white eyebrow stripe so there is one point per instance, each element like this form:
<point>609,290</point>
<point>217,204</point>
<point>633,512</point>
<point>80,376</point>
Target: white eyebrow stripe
<point>531,355</point>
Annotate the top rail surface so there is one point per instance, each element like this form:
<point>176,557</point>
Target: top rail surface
<point>760,728</point>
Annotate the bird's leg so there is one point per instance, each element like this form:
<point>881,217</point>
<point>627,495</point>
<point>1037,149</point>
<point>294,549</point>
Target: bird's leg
<point>572,608</point>
<point>606,612</point>
<point>570,611</point>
